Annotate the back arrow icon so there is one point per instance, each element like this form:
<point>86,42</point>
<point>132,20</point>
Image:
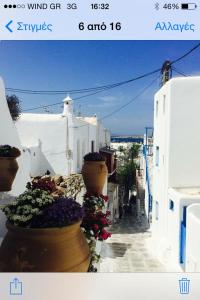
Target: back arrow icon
<point>8,26</point>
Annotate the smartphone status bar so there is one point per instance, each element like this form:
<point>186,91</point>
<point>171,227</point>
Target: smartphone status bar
<point>103,20</point>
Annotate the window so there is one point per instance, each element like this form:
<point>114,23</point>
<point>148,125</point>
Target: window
<point>164,103</point>
<point>157,211</point>
<point>157,156</point>
<point>171,205</point>
<point>156,108</point>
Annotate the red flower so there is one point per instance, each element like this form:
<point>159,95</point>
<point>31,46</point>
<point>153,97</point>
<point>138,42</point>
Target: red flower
<point>105,198</point>
<point>96,227</point>
<point>103,221</point>
<point>104,235</point>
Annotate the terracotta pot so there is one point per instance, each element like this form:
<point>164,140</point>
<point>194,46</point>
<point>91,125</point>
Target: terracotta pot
<point>8,171</point>
<point>44,250</point>
<point>94,176</point>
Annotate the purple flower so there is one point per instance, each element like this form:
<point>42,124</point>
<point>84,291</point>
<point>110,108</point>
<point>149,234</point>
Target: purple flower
<point>63,212</point>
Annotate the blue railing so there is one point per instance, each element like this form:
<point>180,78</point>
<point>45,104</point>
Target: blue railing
<point>150,198</point>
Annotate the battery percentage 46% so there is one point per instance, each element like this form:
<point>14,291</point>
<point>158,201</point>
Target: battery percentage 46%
<point>171,6</point>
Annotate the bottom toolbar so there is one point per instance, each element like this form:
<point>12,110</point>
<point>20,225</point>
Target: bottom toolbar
<point>114,286</point>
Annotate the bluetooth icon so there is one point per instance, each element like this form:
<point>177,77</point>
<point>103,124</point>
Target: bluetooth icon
<point>157,6</point>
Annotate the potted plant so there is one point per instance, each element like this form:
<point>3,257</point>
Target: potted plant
<point>14,106</point>
<point>8,166</point>
<point>44,235</point>
<point>94,172</point>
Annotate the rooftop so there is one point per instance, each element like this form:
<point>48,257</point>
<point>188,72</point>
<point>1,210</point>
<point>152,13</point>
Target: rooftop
<point>40,117</point>
<point>189,191</point>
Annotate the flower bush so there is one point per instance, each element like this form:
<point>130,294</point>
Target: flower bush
<point>8,151</point>
<point>94,203</point>
<point>28,205</point>
<point>58,185</point>
<point>95,223</point>
<point>43,183</point>
<point>62,212</point>
<point>37,208</point>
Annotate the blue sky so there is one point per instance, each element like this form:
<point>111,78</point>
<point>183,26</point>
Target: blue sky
<point>63,65</point>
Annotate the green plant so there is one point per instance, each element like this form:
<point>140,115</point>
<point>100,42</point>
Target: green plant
<point>8,151</point>
<point>121,149</point>
<point>127,175</point>
<point>133,152</point>
<point>14,106</point>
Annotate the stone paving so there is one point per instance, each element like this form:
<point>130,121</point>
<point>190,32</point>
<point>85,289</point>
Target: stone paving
<point>127,250</point>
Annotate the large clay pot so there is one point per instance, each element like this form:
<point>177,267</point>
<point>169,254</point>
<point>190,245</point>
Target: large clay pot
<point>44,250</point>
<point>94,176</point>
<point>8,171</point>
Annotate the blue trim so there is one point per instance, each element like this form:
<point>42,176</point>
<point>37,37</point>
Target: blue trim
<point>183,236</point>
<point>184,215</point>
<point>150,197</point>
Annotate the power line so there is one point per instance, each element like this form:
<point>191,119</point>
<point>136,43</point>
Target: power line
<point>97,89</point>
<point>85,90</point>
<point>127,103</point>
<point>132,100</point>
<point>148,86</point>
<point>94,93</point>
<point>179,72</point>
<point>58,103</point>
<point>143,91</point>
<point>186,54</point>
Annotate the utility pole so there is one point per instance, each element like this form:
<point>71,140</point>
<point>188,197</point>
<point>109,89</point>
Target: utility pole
<point>166,72</point>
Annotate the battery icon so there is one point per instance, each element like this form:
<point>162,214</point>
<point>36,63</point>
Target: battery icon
<point>189,6</point>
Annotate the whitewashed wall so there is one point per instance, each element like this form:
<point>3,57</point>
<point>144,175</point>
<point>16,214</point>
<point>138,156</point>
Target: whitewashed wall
<point>193,239</point>
<point>160,172</point>
<point>184,128</point>
<point>84,134</point>
<point>176,128</point>
<point>58,142</point>
<point>9,135</point>
<point>49,132</point>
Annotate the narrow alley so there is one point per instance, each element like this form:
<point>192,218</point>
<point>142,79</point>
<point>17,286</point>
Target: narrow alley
<point>128,250</point>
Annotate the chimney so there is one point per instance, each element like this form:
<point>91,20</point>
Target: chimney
<point>68,106</point>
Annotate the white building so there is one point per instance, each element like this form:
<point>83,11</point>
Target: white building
<point>48,142</point>
<point>176,172</point>
<point>58,142</point>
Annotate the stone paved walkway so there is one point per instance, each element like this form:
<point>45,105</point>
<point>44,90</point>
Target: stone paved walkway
<point>127,250</point>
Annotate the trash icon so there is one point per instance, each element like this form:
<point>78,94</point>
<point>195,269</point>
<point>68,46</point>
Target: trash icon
<point>184,285</point>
